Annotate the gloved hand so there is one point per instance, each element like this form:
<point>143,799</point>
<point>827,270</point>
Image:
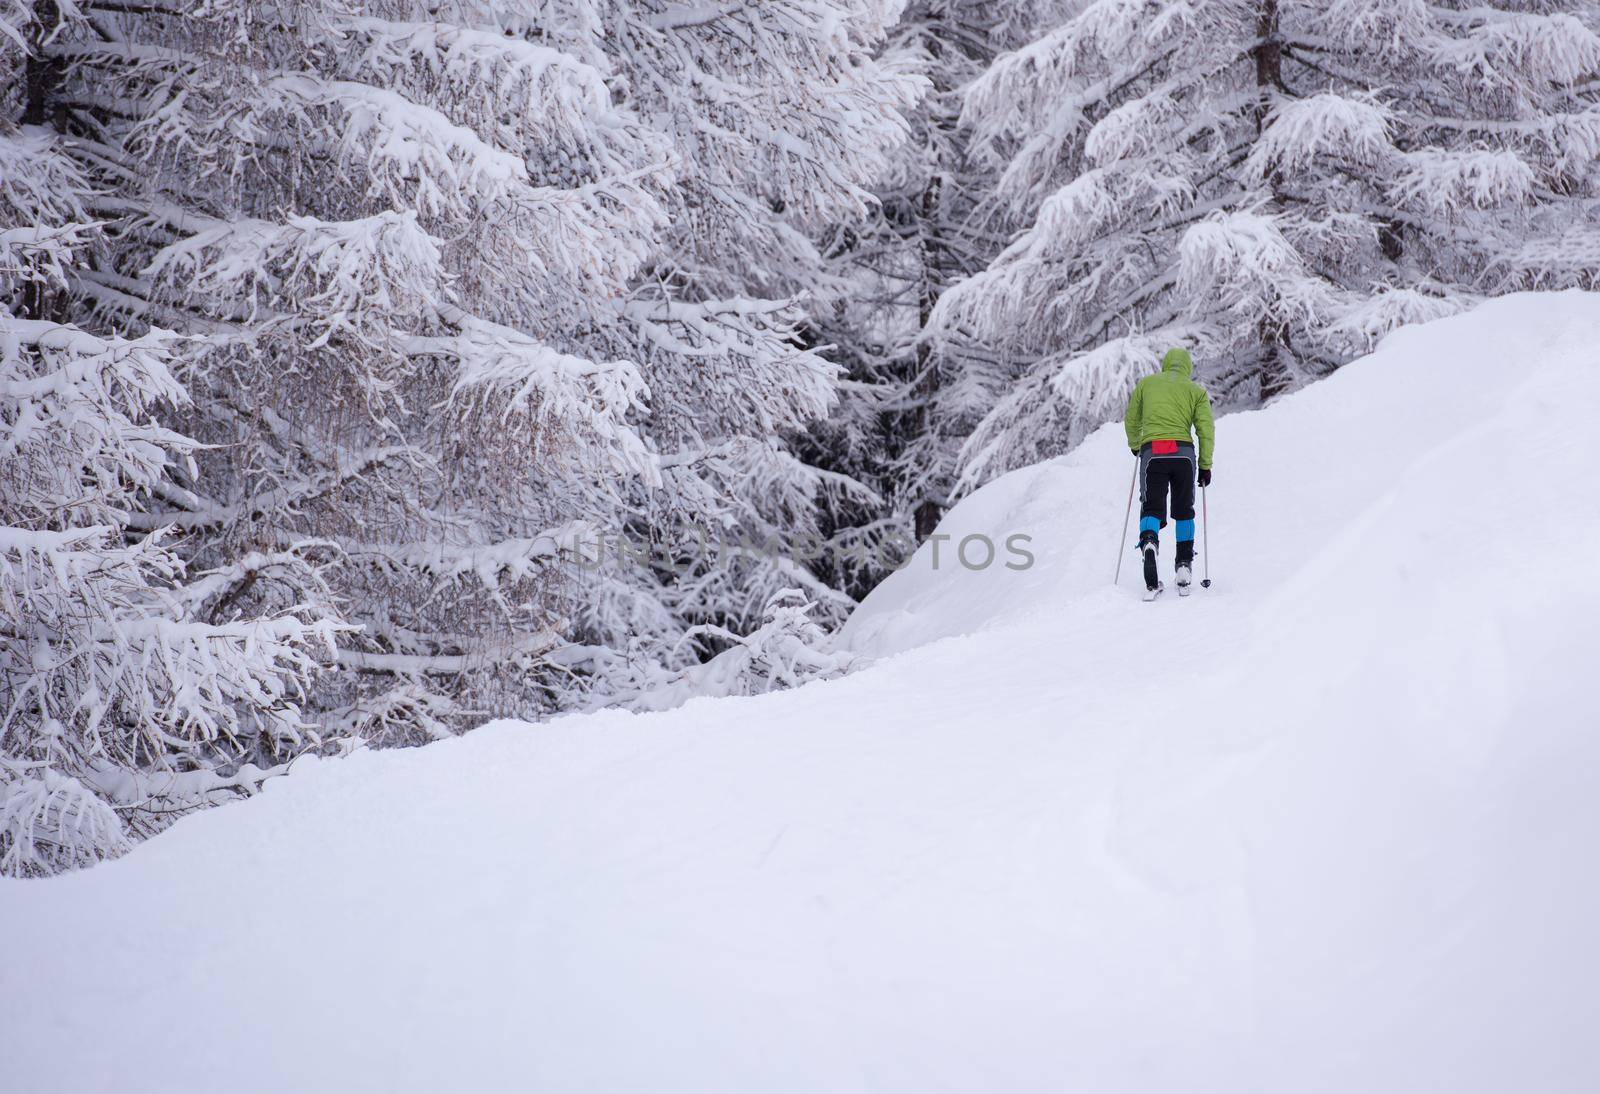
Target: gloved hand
<point>1135,452</point>
<point>1205,477</point>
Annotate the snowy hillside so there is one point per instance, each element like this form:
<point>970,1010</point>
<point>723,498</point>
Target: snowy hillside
<point>1326,827</point>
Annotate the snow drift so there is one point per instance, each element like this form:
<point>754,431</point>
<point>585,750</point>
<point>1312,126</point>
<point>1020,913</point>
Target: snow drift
<point>1324,827</point>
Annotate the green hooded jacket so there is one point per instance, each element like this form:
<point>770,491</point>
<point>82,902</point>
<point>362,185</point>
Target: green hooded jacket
<point>1165,406</point>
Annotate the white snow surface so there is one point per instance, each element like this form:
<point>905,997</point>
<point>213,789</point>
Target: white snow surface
<point>1327,826</point>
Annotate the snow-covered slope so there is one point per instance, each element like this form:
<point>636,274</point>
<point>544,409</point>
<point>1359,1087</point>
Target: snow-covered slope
<point>1326,827</point>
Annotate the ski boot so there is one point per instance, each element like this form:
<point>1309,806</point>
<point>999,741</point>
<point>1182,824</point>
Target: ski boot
<point>1183,573</point>
<point>1149,544</point>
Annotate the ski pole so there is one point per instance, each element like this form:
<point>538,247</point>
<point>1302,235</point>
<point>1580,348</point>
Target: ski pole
<point>1205,530</point>
<point>1122,544</point>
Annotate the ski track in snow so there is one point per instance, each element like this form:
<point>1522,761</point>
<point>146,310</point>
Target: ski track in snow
<point>1325,827</point>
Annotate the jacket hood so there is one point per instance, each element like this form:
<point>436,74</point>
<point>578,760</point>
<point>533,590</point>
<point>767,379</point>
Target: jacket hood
<point>1179,361</point>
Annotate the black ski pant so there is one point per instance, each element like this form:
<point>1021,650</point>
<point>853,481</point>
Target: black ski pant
<point>1161,477</point>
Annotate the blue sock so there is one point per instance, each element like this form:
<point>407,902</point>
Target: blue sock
<point>1185,531</point>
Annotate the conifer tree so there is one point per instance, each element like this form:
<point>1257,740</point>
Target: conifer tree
<point>466,287</point>
<point>1273,183</point>
<point>902,415</point>
<point>131,687</point>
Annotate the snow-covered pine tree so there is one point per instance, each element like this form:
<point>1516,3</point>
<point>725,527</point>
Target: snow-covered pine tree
<point>395,244</point>
<point>1271,182</point>
<point>129,692</point>
<point>466,283</point>
<point>781,117</point>
<point>897,428</point>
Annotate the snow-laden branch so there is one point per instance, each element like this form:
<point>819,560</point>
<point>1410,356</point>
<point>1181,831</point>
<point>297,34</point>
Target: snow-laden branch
<point>421,157</point>
<point>340,271</point>
<point>348,466</point>
<point>770,382</point>
<point>491,565</point>
<point>785,651</point>
<point>516,89</point>
<point>491,656</point>
<point>1443,183</point>
<point>581,401</point>
<point>1300,132</point>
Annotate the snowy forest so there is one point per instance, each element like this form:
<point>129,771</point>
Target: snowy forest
<point>369,371</point>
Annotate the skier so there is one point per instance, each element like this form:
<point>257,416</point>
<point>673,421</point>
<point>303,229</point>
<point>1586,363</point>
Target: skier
<point>1162,411</point>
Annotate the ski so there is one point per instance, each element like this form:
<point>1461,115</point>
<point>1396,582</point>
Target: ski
<point>1151,594</point>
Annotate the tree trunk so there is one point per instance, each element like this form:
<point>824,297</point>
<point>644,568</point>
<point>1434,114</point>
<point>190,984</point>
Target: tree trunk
<point>1275,373</point>
<point>928,510</point>
<point>1269,59</point>
<point>42,74</point>
<point>41,78</point>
